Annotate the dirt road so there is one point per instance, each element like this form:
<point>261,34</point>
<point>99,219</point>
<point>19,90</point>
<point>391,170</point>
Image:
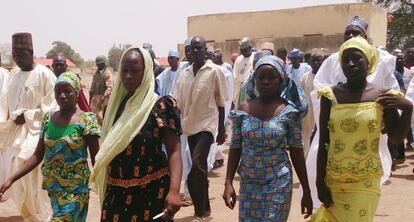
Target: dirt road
<point>396,203</point>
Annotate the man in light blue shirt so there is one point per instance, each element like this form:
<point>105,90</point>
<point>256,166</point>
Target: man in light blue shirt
<point>166,79</point>
<point>297,68</point>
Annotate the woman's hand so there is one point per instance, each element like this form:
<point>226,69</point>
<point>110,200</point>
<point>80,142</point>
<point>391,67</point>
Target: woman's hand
<point>324,194</point>
<point>307,204</point>
<point>6,185</point>
<point>173,204</point>
<point>389,100</point>
<point>229,196</point>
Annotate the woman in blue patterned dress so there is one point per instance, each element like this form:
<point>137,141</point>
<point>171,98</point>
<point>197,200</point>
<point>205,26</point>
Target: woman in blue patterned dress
<point>65,136</point>
<point>264,128</point>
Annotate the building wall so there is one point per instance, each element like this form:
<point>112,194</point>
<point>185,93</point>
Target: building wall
<point>377,30</point>
<point>303,28</point>
<point>299,22</point>
<point>330,42</point>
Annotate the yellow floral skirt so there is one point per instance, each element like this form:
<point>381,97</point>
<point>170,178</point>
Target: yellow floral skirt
<point>353,201</point>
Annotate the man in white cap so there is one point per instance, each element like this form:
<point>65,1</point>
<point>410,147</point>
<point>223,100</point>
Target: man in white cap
<point>185,150</point>
<point>242,67</point>
<point>166,79</point>
<point>267,48</point>
<point>297,68</point>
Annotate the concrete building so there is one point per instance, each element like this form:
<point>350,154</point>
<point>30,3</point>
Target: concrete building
<point>303,28</point>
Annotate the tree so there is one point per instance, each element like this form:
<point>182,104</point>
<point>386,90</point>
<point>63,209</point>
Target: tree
<point>61,48</point>
<point>114,55</point>
<point>400,32</point>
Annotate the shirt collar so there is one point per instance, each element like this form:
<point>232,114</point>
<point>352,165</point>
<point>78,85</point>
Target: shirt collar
<point>208,64</point>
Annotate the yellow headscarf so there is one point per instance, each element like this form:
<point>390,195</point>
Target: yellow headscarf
<point>117,136</point>
<point>370,52</point>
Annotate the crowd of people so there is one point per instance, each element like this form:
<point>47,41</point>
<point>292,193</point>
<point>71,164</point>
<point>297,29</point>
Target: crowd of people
<point>340,119</point>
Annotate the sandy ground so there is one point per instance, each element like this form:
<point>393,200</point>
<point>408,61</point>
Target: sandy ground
<point>396,203</point>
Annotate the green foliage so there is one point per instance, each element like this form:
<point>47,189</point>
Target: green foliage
<point>114,55</point>
<point>62,48</point>
<point>400,30</point>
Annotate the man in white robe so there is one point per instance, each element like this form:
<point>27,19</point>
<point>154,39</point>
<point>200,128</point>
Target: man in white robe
<point>330,74</point>
<point>242,68</point>
<point>4,75</point>
<point>30,95</point>
<point>306,83</point>
<point>217,157</point>
<point>185,150</point>
<point>166,79</point>
<point>410,96</point>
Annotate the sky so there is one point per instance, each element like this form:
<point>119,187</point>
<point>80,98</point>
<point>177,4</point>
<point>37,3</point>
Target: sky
<point>91,27</point>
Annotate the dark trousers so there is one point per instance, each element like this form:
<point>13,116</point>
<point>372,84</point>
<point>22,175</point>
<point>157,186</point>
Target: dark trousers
<point>410,138</point>
<point>197,182</point>
<point>397,151</point>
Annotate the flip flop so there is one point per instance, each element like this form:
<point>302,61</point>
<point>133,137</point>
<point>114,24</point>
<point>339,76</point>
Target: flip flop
<point>218,164</point>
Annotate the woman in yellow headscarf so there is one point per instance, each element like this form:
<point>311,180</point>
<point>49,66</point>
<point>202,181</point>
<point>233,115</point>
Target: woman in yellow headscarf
<point>351,118</point>
<point>134,178</point>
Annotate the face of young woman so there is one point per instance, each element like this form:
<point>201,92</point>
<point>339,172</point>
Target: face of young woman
<point>354,65</point>
<point>132,71</point>
<point>268,81</point>
<point>66,96</point>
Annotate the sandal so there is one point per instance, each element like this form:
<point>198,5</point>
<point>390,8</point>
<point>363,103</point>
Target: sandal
<point>218,164</point>
<point>186,201</point>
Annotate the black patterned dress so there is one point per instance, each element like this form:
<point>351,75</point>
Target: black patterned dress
<point>138,178</point>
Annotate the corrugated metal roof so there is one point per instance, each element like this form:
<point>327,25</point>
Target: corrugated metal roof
<point>163,61</point>
<point>48,62</point>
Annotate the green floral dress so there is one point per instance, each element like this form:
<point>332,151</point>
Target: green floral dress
<point>65,168</point>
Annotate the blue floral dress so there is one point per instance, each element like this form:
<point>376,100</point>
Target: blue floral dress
<point>65,167</point>
<point>265,169</point>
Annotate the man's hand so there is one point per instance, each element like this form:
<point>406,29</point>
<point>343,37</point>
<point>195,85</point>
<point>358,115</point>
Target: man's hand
<point>221,136</point>
<point>20,120</point>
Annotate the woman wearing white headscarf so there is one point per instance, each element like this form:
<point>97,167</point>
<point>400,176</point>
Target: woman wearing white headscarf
<point>134,178</point>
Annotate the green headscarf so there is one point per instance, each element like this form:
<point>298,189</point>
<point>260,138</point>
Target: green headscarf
<point>117,136</point>
<point>72,79</point>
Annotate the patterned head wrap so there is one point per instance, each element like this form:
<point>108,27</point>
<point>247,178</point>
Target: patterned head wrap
<point>358,22</point>
<point>245,43</point>
<point>22,40</point>
<point>293,94</point>
<point>70,78</point>
<point>370,52</point>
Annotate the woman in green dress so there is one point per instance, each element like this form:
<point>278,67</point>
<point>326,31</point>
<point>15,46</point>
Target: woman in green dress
<point>65,136</point>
